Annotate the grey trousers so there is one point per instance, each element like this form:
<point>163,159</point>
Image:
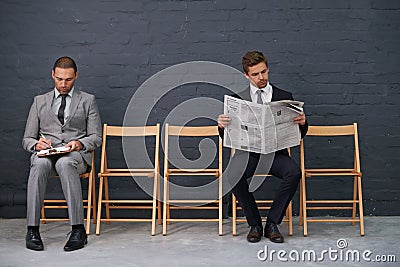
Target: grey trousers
<point>68,166</point>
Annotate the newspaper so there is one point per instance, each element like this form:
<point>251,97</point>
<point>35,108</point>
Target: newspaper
<point>261,128</point>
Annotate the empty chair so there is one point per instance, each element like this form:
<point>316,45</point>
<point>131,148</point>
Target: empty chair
<point>170,171</point>
<point>109,172</point>
<point>355,204</point>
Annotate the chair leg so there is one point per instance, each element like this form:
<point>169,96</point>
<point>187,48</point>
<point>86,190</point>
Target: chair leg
<point>300,204</point>
<point>360,207</point>
<point>43,220</point>
<point>220,217</point>
<point>159,212</point>
<point>165,207</point>
<point>289,211</point>
<point>107,197</point>
<point>353,215</point>
<point>153,215</point>
<point>168,205</point>
<point>89,204</point>
<point>168,213</point>
<point>304,204</point>
<point>159,202</point>
<point>234,214</point>
<point>100,201</point>
<point>94,200</point>
<point>220,206</point>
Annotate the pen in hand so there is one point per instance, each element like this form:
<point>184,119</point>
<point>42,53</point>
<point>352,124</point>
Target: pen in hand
<point>41,135</point>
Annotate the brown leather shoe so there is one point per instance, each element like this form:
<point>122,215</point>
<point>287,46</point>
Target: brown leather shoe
<point>255,234</point>
<point>271,231</point>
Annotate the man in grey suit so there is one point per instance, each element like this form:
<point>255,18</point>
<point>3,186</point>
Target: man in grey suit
<point>66,117</point>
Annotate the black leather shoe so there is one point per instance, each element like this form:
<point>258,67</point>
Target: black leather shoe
<point>77,240</point>
<point>271,231</point>
<point>33,240</point>
<point>255,234</point>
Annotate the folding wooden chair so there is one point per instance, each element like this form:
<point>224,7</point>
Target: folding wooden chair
<point>61,203</point>
<point>106,172</point>
<point>216,204</point>
<point>262,205</point>
<point>307,173</point>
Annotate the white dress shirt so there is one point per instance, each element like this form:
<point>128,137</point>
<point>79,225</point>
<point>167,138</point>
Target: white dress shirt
<point>266,94</point>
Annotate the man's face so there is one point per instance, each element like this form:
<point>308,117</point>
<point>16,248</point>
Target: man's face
<point>258,75</point>
<point>64,79</point>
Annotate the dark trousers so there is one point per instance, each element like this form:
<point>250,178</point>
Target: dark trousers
<point>280,165</point>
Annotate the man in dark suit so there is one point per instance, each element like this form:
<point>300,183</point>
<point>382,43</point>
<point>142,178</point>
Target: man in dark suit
<point>244,164</point>
<point>65,117</point>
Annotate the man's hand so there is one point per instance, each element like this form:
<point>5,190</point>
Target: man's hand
<point>43,143</point>
<point>74,145</point>
<point>223,121</point>
<point>300,119</point>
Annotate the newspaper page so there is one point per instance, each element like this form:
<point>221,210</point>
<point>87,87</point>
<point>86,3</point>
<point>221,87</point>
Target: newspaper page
<point>261,128</point>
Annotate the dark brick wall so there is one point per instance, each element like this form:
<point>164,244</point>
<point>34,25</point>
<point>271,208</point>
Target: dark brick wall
<point>340,57</point>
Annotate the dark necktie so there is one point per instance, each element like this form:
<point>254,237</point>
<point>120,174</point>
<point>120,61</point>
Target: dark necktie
<point>259,99</point>
<point>62,108</point>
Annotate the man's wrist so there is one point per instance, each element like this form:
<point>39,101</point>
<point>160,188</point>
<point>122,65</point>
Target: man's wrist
<point>82,145</point>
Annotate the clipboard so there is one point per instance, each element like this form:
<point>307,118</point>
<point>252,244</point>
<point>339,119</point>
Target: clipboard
<point>53,151</point>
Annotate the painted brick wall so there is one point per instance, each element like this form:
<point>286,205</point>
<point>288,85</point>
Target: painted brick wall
<point>341,57</point>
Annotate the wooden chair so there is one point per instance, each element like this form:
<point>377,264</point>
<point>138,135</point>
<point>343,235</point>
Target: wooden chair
<point>61,203</point>
<point>106,172</point>
<point>262,205</point>
<point>212,204</point>
<point>307,173</point>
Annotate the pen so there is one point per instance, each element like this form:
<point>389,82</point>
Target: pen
<point>41,135</point>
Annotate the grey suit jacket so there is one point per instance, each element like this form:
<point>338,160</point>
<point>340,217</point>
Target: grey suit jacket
<point>83,123</point>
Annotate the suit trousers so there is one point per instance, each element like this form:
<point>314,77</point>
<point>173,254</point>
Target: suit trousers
<point>245,165</point>
<point>68,167</point>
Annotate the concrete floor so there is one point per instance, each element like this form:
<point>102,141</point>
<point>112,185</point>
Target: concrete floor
<point>198,244</point>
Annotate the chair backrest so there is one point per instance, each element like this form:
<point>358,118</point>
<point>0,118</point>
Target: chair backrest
<point>191,131</point>
<point>332,131</point>
<point>129,131</point>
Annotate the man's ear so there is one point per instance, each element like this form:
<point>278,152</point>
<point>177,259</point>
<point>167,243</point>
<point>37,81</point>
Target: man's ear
<point>76,75</point>
<point>52,74</point>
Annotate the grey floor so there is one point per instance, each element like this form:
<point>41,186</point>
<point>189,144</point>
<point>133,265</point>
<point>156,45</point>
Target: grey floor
<point>198,244</point>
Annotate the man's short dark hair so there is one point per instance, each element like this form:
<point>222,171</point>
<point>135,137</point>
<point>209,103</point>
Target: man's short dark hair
<point>65,63</point>
<point>251,59</point>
